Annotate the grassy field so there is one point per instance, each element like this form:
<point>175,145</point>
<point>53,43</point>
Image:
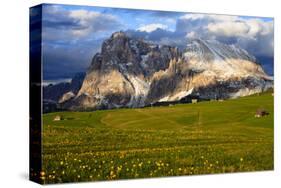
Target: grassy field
<point>185,139</point>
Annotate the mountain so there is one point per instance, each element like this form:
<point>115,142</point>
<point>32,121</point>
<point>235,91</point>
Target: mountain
<point>58,92</point>
<point>210,70</point>
<point>131,72</point>
<point>120,75</point>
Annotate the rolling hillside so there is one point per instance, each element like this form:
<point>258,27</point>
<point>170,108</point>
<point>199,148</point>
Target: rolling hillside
<point>185,139</point>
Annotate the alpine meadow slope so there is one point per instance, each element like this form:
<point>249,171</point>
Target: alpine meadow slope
<point>185,139</point>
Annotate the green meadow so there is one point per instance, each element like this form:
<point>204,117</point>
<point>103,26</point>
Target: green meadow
<point>185,139</point>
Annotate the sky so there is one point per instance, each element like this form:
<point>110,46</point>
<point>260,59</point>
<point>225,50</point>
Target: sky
<point>71,35</point>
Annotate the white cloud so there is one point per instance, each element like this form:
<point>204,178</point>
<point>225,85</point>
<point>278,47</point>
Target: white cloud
<point>249,28</point>
<point>217,17</point>
<point>171,20</point>
<point>258,26</point>
<point>254,34</point>
<point>152,27</point>
<point>191,35</point>
<point>81,32</point>
<point>78,23</point>
<point>92,21</point>
<point>88,16</point>
<point>193,16</point>
<point>229,29</point>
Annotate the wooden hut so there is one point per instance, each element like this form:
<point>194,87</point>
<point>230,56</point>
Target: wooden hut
<point>57,118</point>
<point>261,113</point>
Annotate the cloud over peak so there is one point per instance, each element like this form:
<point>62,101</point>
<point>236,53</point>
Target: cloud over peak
<point>253,34</point>
<point>152,27</point>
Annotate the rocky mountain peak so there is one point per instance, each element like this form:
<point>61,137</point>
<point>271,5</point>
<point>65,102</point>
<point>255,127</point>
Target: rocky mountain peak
<point>131,72</point>
<point>118,34</point>
<point>212,50</point>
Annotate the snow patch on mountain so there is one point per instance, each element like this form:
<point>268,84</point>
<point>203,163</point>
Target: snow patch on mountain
<point>176,97</point>
<point>141,89</point>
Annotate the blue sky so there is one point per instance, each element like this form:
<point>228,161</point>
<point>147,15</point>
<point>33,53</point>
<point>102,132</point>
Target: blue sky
<point>73,34</point>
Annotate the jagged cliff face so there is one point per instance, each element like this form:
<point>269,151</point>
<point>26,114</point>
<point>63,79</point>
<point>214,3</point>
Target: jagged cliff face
<point>120,75</point>
<point>210,70</point>
<point>130,72</point>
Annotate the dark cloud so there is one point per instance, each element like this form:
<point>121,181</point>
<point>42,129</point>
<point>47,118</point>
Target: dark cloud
<point>78,23</point>
<point>267,63</point>
<point>62,60</point>
<point>142,12</point>
<point>67,24</point>
<point>71,38</point>
<point>165,14</point>
<point>155,35</point>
